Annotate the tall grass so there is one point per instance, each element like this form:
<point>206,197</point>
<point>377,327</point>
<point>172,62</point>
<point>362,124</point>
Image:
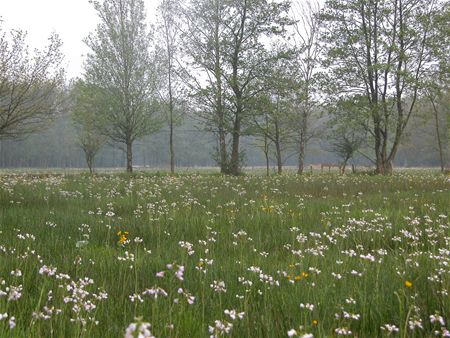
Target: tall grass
<point>326,255</point>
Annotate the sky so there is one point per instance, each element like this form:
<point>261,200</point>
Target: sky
<point>72,20</point>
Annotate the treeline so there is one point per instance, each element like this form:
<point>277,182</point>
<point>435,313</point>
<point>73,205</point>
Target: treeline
<point>214,80</point>
<point>58,147</point>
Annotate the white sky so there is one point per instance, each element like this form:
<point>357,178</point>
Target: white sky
<point>73,20</point>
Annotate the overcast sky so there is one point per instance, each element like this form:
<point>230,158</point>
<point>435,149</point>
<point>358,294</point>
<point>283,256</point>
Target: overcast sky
<point>73,20</point>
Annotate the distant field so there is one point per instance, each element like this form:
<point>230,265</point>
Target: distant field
<point>199,255</point>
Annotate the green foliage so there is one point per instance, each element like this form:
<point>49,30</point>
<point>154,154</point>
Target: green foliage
<point>121,66</point>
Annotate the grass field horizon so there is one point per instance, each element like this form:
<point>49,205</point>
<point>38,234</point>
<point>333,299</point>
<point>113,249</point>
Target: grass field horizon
<point>200,254</point>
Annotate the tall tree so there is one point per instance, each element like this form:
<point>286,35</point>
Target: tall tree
<point>380,50</point>
<point>31,85</point>
<point>227,45</point>
<point>247,23</point>
<point>306,37</point>
<point>121,65</point>
<point>170,93</point>
<point>203,44</point>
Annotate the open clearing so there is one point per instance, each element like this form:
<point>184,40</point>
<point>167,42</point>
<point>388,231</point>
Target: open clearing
<point>205,255</point>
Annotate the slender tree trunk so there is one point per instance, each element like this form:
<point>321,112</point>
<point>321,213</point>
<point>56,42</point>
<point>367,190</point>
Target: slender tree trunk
<point>222,151</point>
<point>171,122</point>
<point>172,150</point>
<point>344,165</point>
<point>438,134</point>
<point>129,145</point>
<point>301,152</point>
<point>278,148</point>
<point>89,162</point>
<point>266,155</point>
<point>279,160</point>
<point>223,158</point>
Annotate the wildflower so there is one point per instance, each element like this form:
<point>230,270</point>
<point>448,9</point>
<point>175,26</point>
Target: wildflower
<point>408,284</point>
<point>315,322</point>
<point>390,328</point>
<point>307,306</point>
<point>139,329</point>
<point>233,314</point>
<point>12,322</point>
<point>291,333</point>
<point>437,318</point>
<point>123,237</point>
<point>218,286</point>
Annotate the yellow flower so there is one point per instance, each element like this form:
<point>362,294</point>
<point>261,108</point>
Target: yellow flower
<point>315,322</point>
<point>297,278</point>
<point>408,284</point>
<point>122,236</point>
<point>304,274</point>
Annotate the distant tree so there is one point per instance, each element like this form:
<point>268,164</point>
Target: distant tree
<point>437,87</point>
<point>345,144</point>
<point>380,50</point>
<point>85,104</point>
<point>307,41</point>
<point>273,110</point>
<point>170,91</point>
<point>345,133</point>
<point>121,65</point>
<point>437,105</point>
<point>31,85</point>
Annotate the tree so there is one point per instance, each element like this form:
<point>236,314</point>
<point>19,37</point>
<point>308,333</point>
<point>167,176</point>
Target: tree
<point>437,89</point>
<point>226,45</point>
<point>307,42</point>
<point>85,105</point>
<point>203,44</point>
<point>30,85</point>
<point>345,136</point>
<point>273,108</point>
<point>380,50</point>
<point>122,67</point>
<point>247,23</point>
<point>169,32</point>
<point>345,144</point>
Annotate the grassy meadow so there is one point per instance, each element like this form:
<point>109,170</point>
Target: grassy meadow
<point>202,255</point>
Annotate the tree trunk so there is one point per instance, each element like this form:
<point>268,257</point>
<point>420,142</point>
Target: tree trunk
<point>223,151</point>
<point>171,122</point>
<point>438,134</point>
<point>235,165</point>
<point>279,161</point>
<point>129,145</point>
<point>223,158</point>
<point>344,165</point>
<point>172,151</point>
<point>278,147</point>
<point>89,161</point>
<point>301,156</point>
<point>266,154</point>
